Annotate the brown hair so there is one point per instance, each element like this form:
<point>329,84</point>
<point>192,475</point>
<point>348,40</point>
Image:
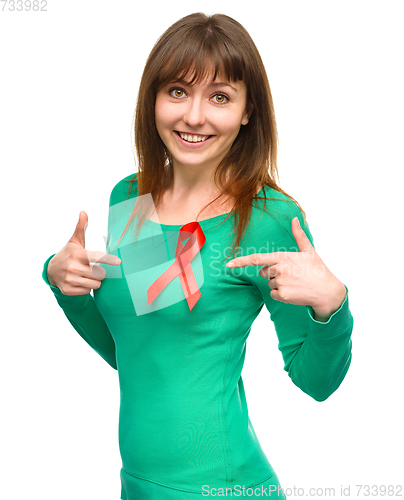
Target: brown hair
<point>198,42</point>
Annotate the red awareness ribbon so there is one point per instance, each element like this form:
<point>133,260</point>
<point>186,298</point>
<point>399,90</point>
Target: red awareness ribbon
<point>182,265</point>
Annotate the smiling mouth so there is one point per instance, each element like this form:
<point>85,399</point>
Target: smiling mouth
<point>190,137</point>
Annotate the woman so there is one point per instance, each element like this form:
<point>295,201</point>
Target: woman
<point>174,318</point>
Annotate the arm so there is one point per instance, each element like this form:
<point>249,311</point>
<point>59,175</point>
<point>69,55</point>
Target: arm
<point>81,310</point>
<point>316,354</point>
<point>85,318</point>
<point>316,349</point>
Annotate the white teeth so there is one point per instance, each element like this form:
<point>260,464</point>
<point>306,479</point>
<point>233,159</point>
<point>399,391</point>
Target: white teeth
<point>193,138</point>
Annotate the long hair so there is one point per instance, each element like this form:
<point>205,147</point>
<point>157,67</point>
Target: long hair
<point>202,45</point>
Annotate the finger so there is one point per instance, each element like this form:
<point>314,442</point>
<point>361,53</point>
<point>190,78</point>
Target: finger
<point>302,240</point>
<point>86,276</point>
<point>85,283</point>
<point>90,256</point>
<point>272,283</point>
<point>98,272</point>
<point>92,272</point>
<point>268,271</point>
<point>78,236</point>
<point>256,259</point>
<point>275,295</point>
<point>75,290</point>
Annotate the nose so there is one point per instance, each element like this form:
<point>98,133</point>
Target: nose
<point>194,115</point>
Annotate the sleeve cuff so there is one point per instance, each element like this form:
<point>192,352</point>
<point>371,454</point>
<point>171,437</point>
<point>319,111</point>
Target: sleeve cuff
<point>65,301</point>
<point>341,321</point>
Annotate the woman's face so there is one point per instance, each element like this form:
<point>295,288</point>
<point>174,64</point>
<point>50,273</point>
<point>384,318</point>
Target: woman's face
<point>206,110</point>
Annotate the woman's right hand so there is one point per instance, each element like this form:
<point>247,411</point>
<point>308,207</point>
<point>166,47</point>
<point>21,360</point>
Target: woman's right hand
<point>70,268</point>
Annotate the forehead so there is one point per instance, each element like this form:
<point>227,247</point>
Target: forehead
<point>203,72</point>
<point>205,76</point>
<point>208,82</point>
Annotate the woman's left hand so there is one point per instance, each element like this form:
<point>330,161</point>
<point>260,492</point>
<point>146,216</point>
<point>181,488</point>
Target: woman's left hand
<point>299,278</point>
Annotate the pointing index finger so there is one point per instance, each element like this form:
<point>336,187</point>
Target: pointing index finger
<point>255,259</point>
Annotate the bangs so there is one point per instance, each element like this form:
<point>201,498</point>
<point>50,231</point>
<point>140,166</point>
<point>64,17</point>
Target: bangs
<point>199,54</point>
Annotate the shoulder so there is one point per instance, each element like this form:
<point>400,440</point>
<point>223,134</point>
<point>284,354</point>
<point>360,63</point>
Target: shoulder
<point>124,189</point>
<point>277,205</point>
<point>272,216</point>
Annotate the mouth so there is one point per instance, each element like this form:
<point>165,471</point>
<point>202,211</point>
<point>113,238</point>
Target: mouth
<point>202,139</point>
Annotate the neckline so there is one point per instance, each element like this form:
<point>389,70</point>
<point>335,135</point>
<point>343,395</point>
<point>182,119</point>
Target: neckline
<point>204,223</point>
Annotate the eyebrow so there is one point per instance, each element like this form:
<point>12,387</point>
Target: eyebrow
<point>215,84</point>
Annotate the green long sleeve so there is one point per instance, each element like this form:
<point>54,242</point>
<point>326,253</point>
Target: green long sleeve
<point>86,319</point>
<point>317,355</point>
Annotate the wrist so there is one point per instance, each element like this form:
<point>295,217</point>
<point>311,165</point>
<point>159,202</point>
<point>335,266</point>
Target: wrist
<point>331,303</point>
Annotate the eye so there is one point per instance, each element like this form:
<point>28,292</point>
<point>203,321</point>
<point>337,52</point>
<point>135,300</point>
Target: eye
<point>177,90</point>
<point>222,98</point>
<point>177,93</point>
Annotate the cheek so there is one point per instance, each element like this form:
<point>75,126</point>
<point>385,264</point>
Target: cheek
<point>229,123</point>
<point>160,126</point>
<point>166,117</point>
<point>161,113</point>
<point>227,119</point>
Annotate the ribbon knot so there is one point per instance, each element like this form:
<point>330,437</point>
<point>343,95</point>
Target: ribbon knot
<point>182,265</point>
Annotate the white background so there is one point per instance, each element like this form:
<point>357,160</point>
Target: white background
<point>69,82</point>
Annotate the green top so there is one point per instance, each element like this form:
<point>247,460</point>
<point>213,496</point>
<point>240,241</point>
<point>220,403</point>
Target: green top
<point>183,414</point>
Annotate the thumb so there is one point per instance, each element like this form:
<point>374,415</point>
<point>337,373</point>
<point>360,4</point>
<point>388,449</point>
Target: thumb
<point>302,240</point>
<point>79,233</point>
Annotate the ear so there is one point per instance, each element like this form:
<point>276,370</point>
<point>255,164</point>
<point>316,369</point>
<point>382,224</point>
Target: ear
<point>247,114</point>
